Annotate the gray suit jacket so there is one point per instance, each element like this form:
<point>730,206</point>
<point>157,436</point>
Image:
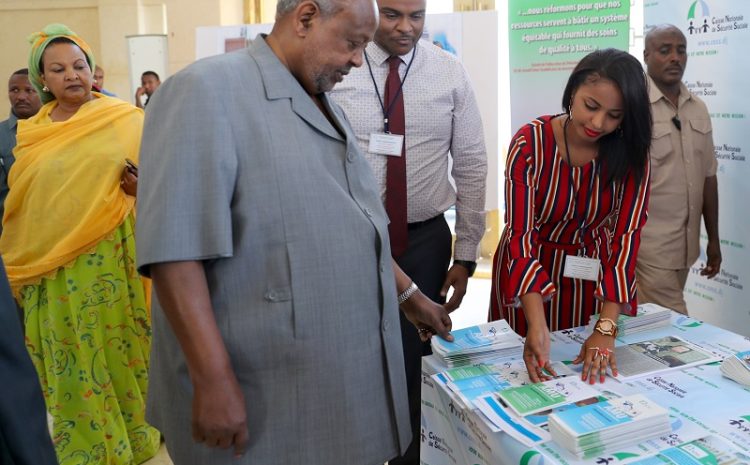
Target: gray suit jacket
<point>7,144</point>
<point>240,169</point>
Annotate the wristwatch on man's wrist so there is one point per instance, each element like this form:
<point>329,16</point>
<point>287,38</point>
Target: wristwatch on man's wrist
<point>606,327</point>
<point>469,265</point>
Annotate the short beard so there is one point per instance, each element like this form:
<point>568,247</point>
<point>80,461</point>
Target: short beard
<point>319,79</point>
<point>323,83</point>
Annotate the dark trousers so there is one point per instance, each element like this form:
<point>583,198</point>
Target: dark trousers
<point>426,261</point>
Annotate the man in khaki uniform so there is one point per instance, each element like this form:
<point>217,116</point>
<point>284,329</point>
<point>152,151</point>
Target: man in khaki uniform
<point>683,177</point>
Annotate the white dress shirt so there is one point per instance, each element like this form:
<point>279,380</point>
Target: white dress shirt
<point>442,122</point>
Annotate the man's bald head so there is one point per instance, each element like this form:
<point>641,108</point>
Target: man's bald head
<point>327,7</point>
<point>661,29</point>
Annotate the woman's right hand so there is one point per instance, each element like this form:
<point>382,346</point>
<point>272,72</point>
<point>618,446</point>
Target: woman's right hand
<point>536,347</point>
<point>536,354</point>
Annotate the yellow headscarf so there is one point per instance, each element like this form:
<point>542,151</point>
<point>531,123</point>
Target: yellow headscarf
<point>65,193</point>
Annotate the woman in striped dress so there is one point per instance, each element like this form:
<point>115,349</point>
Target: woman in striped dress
<point>576,193</point>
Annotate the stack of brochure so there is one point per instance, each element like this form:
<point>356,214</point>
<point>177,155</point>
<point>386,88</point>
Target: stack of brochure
<point>650,316</point>
<point>475,344</point>
<point>737,367</point>
<point>656,356</point>
<point>596,429</point>
<point>469,383</point>
<point>522,411</point>
<point>713,450</point>
<point>535,398</point>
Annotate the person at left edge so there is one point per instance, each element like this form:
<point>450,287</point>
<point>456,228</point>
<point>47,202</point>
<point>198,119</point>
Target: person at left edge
<point>441,124</point>
<point>24,437</point>
<point>24,103</point>
<point>276,323</point>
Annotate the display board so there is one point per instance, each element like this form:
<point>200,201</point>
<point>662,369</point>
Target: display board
<point>215,40</point>
<point>547,39</point>
<point>717,36</point>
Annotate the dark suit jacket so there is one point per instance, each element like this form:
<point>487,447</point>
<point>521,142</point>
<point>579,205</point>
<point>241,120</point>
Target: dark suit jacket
<point>24,438</point>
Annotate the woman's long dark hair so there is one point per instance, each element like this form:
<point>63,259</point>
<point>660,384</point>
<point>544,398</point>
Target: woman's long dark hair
<point>626,149</point>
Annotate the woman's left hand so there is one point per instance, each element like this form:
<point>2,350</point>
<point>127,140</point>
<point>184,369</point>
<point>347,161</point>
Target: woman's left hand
<point>597,352</point>
<point>129,181</point>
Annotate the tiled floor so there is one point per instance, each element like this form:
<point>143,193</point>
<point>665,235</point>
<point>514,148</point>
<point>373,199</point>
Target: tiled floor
<point>473,311</point>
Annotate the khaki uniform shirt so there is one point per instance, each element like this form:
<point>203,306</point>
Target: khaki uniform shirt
<point>681,160</point>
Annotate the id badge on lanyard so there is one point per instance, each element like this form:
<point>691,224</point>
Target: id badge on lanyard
<point>386,144</point>
<point>581,268</point>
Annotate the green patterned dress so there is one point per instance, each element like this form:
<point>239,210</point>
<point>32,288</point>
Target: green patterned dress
<point>88,330</point>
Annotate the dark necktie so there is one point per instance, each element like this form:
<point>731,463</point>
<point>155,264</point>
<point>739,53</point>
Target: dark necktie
<point>395,179</point>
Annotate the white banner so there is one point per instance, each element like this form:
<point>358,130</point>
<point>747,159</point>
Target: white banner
<point>717,68</point>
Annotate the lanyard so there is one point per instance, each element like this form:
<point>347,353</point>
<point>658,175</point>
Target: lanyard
<point>386,113</point>
<point>582,219</point>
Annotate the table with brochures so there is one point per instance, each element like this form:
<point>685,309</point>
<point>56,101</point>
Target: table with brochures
<point>709,414</point>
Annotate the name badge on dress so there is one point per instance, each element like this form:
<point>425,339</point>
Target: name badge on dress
<point>581,268</point>
<point>386,144</point>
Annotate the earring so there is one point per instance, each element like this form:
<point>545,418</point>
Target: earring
<point>45,89</point>
<point>570,113</point>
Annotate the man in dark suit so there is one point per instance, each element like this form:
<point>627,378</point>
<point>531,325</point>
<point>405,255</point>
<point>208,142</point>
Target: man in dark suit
<point>24,437</point>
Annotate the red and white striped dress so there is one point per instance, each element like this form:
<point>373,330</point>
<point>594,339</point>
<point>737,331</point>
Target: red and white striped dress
<point>542,227</point>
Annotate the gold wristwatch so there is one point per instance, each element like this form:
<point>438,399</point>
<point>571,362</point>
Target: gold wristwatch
<point>606,327</point>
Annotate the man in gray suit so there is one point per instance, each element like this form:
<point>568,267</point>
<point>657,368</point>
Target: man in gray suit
<point>276,330</point>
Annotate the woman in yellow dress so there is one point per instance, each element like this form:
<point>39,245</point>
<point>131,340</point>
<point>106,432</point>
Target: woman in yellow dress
<point>69,247</point>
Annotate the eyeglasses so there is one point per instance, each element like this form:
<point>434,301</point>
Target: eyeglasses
<point>677,123</point>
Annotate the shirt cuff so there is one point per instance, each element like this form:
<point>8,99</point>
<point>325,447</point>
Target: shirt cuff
<point>525,275</point>
<point>615,287</point>
<point>466,250</point>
